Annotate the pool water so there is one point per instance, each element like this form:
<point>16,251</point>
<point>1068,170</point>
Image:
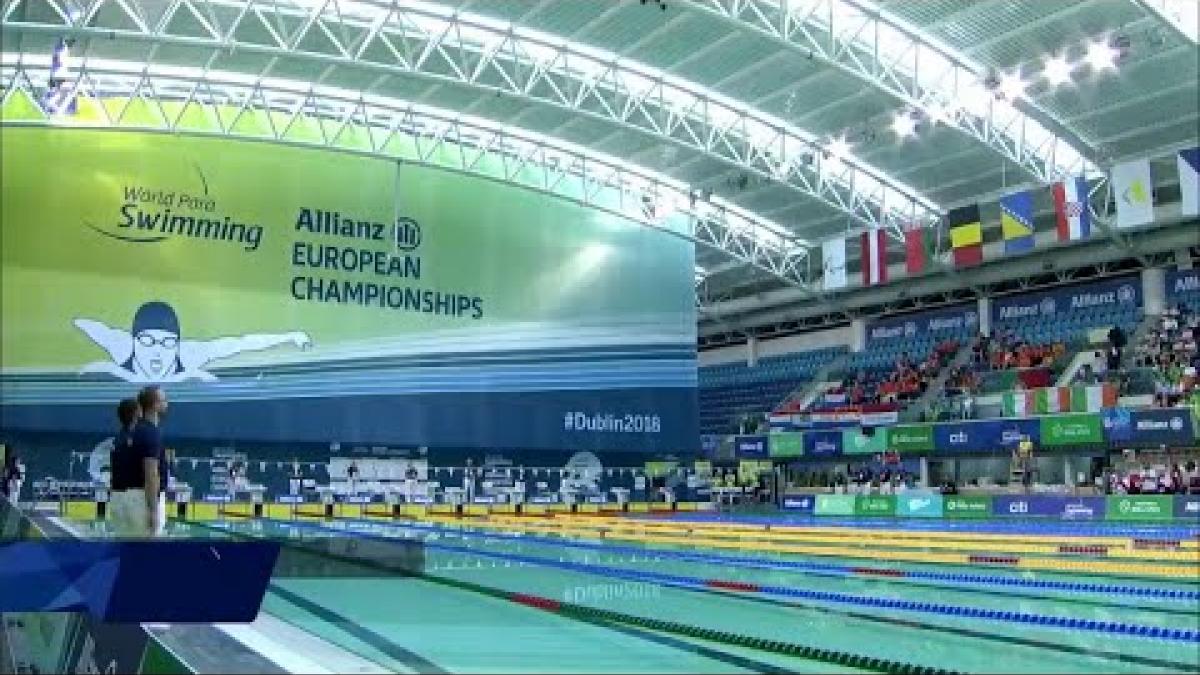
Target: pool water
<point>591,595</point>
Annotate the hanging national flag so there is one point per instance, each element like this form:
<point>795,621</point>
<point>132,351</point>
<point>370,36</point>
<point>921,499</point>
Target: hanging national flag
<point>966,235</point>
<point>1093,398</point>
<point>834,261</point>
<point>60,98</point>
<point>914,250</point>
<point>1071,210</point>
<point>1189,181</point>
<point>1016,222</point>
<point>1053,400</point>
<point>874,257</point>
<point>1133,188</point>
<point>1020,403</point>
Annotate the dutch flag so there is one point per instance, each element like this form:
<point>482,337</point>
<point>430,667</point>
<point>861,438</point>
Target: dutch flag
<point>1071,210</point>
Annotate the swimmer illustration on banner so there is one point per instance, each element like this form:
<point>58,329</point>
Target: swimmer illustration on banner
<point>154,351</point>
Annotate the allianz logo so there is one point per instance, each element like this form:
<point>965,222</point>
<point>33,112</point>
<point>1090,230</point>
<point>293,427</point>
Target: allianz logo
<point>1174,424</point>
<point>1191,507</point>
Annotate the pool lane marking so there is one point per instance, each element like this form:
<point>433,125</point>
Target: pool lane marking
<point>963,578</point>
<point>599,617</point>
<point>411,660</point>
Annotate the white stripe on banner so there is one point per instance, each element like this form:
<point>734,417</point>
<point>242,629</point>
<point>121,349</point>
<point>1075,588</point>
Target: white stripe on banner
<point>834,261</point>
<point>875,257</point>
<point>1134,193</point>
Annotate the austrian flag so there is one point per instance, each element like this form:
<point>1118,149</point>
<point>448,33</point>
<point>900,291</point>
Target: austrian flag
<point>874,257</point>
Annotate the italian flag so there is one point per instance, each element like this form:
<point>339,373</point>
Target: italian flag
<point>1020,403</point>
<point>1053,400</point>
<point>1093,398</point>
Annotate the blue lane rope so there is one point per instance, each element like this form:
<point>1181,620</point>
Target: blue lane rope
<point>844,571</point>
<point>1154,632</point>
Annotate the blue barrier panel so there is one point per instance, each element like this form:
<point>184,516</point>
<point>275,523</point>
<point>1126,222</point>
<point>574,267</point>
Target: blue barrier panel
<point>822,443</point>
<point>1162,427</point>
<point>1071,508</point>
<point>750,447</point>
<point>1118,424</point>
<point>1187,506</point>
<point>1182,282</point>
<point>800,503</point>
<point>221,581</point>
<point>919,505</point>
<point>968,436</point>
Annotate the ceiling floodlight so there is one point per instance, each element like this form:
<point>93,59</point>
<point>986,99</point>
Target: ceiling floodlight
<point>1012,87</point>
<point>904,125</point>
<point>1058,70</point>
<point>1102,56</point>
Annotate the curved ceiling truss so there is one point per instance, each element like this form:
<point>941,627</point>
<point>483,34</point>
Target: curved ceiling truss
<point>192,100</point>
<point>940,82</point>
<point>413,39</point>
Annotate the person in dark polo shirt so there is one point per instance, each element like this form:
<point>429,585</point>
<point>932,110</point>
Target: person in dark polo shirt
<point>127,483</point>
<point>148,444</point>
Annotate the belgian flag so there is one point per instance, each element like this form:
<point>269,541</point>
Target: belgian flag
<point>966,235</point>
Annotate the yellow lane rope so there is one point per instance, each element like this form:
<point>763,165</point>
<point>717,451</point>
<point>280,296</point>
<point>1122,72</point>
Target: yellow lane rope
<point>1048,564</point>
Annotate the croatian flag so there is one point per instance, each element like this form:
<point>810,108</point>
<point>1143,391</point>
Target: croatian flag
<point>1071,209</point>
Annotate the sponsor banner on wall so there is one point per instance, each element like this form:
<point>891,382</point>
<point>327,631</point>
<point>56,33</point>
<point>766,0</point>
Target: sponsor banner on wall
<point>1118,424</point>
<point>986,436</point>
<point>822,443</point>
<point>835,505</point>
<point>1187,506</point>
<point>710,444</point>
<point>401,320</point>
<point>855,442</point>
<point>801,503</point>
<point>910,438</point>
<point>1148,507</point>
<point>750,447</point>
<point>1077,429</point>
<point>1172,426</point>
<point>875,505</point>
<point>1073,508</point>
<point>1182,282</point>
<point>919,505</point>
<point>878,419</point>
<point>936,324</point>
<point>1106,294</point>
<point>967,506</point>
<point>786,445</point>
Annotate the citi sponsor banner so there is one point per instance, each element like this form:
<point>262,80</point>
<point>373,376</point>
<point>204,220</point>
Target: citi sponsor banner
<point>822,443</point>
<point>910,438</point>
<point>1106,294</point>
<point>986,436</point>
<point>1182,282</point>
<point>855,442</point>
<point>801,503</point>
<point>1075,429</point>
<point>1147,507</point>
<point>1172,426</point>
<point>293,294</point>
<point>936,323</point>
<point>919,505</point>
<point>1187,506</point>
<point>786,445</point>
<point>835,505</point>
<point>1021,506</point>
<point>875,505</point>
<point>750,447</point>
<point>967,506</point>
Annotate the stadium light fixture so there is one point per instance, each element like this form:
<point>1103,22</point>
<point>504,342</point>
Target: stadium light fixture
<point>1012,87</point>
<point>1101,56</point>
<point>904,125</point>
<point>1057,70</point>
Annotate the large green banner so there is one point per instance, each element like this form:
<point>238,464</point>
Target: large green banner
<point>855,442</point>
<point>785,444</point>
<point>1148,507</point>
<point>1076,429</point>
<point>967,506</point>
<point>910,438</point>
<point>266,283</point>
<point>875,505</point>
<point>834,505</point>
